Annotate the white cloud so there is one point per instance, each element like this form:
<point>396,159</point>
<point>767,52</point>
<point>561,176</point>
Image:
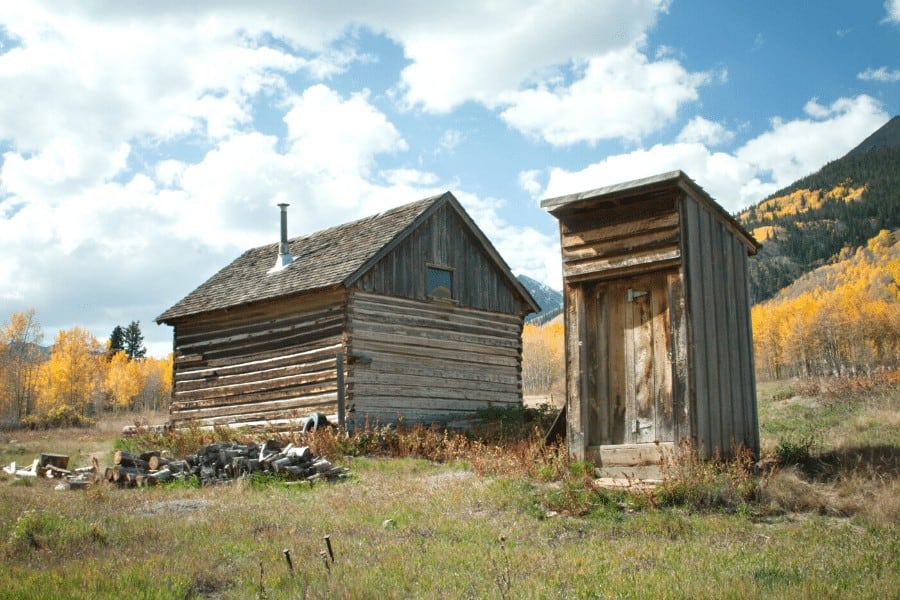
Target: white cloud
<point>484,50</point>
<point>105,75</point>
<point>892,7</point>
<point>704,131</point>
<point>528,181</point>
<point>762,165</point>
<point>882,74</point>
<point>328,133</point>
<point>620,95</point>
<point>796,148</point>
<point>450,139</point>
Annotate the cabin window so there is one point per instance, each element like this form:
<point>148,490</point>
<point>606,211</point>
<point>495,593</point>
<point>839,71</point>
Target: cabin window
<point>439,285</point>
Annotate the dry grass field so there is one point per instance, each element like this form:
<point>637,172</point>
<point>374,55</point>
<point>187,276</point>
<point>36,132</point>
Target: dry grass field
<point>428,515</point>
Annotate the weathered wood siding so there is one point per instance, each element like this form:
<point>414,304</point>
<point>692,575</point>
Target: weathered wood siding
<point>444,241</point>
<point>428,361</point>
<point>632,359</point>
<point>259,365</point>
<point>722,383</point>
<point>600,241</point>
<point>687,346</point>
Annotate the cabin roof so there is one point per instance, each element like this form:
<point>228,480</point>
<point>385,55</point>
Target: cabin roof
<point>675,180</point>
<point>337,256</point>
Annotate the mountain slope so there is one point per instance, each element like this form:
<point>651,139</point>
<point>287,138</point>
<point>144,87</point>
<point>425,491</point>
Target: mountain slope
<point>845,203</point>
<point>841,318</point>
<point>548,299</point>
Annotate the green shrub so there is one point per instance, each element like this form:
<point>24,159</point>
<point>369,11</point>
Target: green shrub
<point>60,416</point>
<point>795,452</point>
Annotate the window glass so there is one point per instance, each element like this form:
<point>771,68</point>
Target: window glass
<point>440,283</point>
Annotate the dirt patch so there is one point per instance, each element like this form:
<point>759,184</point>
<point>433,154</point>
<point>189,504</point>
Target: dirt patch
<point>181,506</point>
<point>445,478</point>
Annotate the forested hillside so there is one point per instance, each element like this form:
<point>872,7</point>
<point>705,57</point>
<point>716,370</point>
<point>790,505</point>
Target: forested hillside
<point>844,204</point>
<point>842,318</point>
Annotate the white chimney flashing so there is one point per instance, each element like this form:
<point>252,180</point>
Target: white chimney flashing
<point>284,257</point>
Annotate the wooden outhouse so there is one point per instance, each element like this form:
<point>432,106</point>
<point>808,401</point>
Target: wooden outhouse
<point>409,314</point>
<point>657,322</point>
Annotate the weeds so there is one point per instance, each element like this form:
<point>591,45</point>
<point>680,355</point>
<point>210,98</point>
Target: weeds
<point>699,484</point>
<point>35,530</point>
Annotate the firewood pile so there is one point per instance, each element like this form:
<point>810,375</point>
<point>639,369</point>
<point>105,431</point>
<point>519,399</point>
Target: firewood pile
<point>213,464</point>
<point>222,462</point>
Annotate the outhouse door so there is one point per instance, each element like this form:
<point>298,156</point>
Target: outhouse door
<point>647,377</point>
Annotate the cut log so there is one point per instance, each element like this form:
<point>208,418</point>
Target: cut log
<point>155,463</point>
<point>122,474</point>
<point>302,453</point>
<point>127,459</point>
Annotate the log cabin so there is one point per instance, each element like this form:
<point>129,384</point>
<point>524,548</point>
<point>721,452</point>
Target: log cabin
<point>658,338</point>
<point>408,314</point>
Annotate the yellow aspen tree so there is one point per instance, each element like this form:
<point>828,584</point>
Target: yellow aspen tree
<point>123,381</point>
<point>537,374</point>
<point>20,360</point>
<point>554,339</point>
<point>74,370</point>
<point>156,379</point>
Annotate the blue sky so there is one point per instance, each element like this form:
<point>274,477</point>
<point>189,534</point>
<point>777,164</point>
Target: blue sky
<point>143,146</point>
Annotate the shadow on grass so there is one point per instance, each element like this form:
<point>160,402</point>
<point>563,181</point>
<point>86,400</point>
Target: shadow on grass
<point>881,459</point>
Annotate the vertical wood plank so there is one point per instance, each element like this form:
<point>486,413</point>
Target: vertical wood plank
<point>615,302</point>
<point>679,358</point>
<point>710,299</point>
<point>662,363</point>
<point>601,366</point>
<point>735,341</point>
<point>724,340</point>
<point>748,372</point>
<point>698,392</point>
<point>592,361</point>
<point>641,364</point>
<point>576,410</point>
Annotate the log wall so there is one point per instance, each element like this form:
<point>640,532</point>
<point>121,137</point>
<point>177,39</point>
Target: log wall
<point>259,366</point>
<point>428,361</point>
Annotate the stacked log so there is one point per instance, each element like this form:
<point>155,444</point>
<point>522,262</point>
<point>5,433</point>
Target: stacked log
<point>223,462</point>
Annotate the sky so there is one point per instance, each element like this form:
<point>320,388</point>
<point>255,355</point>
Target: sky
<point>145,145</point>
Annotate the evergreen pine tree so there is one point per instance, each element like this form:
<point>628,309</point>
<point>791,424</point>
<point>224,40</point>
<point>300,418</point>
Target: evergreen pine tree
<point>116,341</point>
<point>134,341</point>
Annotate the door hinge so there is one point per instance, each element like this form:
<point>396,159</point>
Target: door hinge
<point>633,294</point>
